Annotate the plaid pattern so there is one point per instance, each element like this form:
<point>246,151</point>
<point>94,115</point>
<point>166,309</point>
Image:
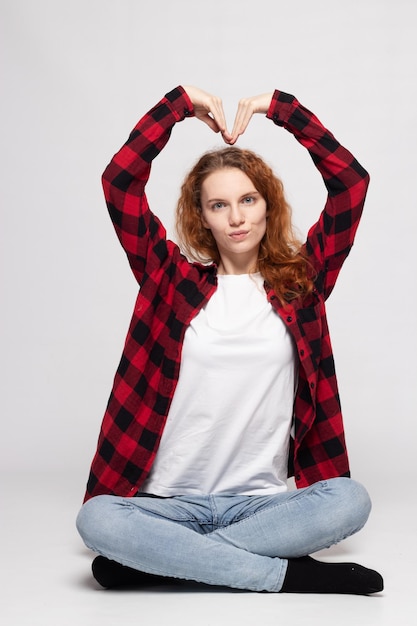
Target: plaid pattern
<point>172,291</point>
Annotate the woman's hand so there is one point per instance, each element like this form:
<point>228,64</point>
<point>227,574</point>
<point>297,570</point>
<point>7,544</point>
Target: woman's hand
<point>246,108</point>
<point>209,109</point>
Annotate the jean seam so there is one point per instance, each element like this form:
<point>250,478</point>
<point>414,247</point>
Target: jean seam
<point>137,509</point>
<point>214,510</point>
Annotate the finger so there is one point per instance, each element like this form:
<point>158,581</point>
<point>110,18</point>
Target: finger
<point>243,116</point>
<point>227,138</point>
<point>242,119</point>
<point>216,110</point>
<point>202,112</point>
<point>218,116</point>
<point>210,110</point>
<point>207,119</point>
<point>211,122</point>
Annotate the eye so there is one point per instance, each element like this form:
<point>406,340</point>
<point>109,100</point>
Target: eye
<point>216,206</point>
<point>248,200</point>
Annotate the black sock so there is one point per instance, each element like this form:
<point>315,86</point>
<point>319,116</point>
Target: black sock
<point>112,574</point>
<point>306,575</point>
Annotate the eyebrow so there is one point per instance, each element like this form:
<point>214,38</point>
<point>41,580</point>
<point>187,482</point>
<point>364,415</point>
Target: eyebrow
<point>244,195</point>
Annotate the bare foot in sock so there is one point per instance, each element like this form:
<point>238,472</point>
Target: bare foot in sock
<point>110,574</point>
<point>306,575</point>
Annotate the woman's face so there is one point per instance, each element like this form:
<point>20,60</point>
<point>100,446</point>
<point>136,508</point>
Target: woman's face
<point>235,212</point>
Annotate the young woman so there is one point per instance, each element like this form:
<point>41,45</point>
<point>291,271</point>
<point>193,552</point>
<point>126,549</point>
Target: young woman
<point>226,384</point>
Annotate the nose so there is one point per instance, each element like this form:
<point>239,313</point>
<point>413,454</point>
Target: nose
<point>236,216</point>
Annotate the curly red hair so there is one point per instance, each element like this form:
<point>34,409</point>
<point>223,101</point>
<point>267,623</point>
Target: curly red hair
<point>280,259</point>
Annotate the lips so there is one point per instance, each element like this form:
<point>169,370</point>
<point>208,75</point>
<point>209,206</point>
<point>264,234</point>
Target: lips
<point>237,235</point>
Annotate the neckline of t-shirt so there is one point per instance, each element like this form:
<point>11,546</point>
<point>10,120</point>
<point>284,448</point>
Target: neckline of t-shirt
<point>250,275</point>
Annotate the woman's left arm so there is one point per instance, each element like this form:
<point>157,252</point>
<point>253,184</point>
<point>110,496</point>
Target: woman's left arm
<point>331,237</point>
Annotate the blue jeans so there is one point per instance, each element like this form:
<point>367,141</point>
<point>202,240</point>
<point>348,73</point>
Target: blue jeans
<point>229,540</point>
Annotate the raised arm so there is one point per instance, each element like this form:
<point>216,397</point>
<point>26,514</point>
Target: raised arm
<point>125,178</point>
<point>140,232</point>
<point>331,237</point>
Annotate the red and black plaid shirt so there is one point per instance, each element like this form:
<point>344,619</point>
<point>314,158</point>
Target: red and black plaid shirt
<point>173,290</point>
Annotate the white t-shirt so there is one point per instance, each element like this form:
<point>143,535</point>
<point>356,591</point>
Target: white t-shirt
<point>228,427</point>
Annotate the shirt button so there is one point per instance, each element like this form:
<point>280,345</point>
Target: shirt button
<point>312,385</point>
<point>289,318</point>
<point>277,121</point>
<point>298,477</point>
<point>301,352</point>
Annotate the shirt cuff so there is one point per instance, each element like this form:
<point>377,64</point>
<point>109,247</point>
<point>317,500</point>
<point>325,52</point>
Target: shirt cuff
<point>180,103</point>
<point>281,107</point>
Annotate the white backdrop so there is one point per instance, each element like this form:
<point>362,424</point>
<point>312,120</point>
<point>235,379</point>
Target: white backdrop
<point>75,77</point>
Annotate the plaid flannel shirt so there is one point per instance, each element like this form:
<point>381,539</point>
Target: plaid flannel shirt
<point>173,290</point>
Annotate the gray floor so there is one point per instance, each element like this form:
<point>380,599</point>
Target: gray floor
<point>47,581</point>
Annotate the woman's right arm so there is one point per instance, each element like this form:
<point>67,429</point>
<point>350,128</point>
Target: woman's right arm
<point>124,180</point>
<point>140,232</point>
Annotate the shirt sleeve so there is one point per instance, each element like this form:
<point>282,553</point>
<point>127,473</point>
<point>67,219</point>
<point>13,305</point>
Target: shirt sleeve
<point>140,232</point>
<point>330,239</point>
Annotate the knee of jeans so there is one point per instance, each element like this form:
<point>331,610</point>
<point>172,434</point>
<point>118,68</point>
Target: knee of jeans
<point>91,520</point>
<point>355,500</point>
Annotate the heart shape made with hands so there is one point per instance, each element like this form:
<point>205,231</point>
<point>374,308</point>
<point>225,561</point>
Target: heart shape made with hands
<point>209,109</point>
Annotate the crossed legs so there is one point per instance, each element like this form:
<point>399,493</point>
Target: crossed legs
<point>244,542</point>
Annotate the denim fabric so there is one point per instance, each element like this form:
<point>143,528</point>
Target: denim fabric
<point>236,541</point>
